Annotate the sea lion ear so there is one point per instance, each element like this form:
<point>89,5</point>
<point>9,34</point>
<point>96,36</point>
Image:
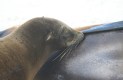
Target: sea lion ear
<point>49,36</point>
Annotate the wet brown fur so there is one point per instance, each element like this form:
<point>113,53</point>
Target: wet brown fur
<point>26,49</point>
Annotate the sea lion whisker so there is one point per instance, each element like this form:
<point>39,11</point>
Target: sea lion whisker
<point>67,52</point>
<point>60,54</point>
<point>64,51</point>
<point>69,49</point>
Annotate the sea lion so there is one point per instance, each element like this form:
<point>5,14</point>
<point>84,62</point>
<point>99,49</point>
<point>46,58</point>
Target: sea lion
<point>24,51</point>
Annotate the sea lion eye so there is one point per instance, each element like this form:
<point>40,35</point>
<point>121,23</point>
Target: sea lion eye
<point>68,37</point>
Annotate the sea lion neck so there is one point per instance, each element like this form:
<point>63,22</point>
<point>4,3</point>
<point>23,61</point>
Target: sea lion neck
<point>32,36</point>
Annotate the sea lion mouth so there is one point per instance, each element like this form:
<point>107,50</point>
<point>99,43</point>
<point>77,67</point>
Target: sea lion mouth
<point>75,43</point>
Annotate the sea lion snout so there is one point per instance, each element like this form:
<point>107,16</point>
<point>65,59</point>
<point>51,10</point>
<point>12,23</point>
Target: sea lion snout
<point>72,36</point>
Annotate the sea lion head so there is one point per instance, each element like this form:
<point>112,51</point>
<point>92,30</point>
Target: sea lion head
<point>60,35</point>
<point>54,33</point>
